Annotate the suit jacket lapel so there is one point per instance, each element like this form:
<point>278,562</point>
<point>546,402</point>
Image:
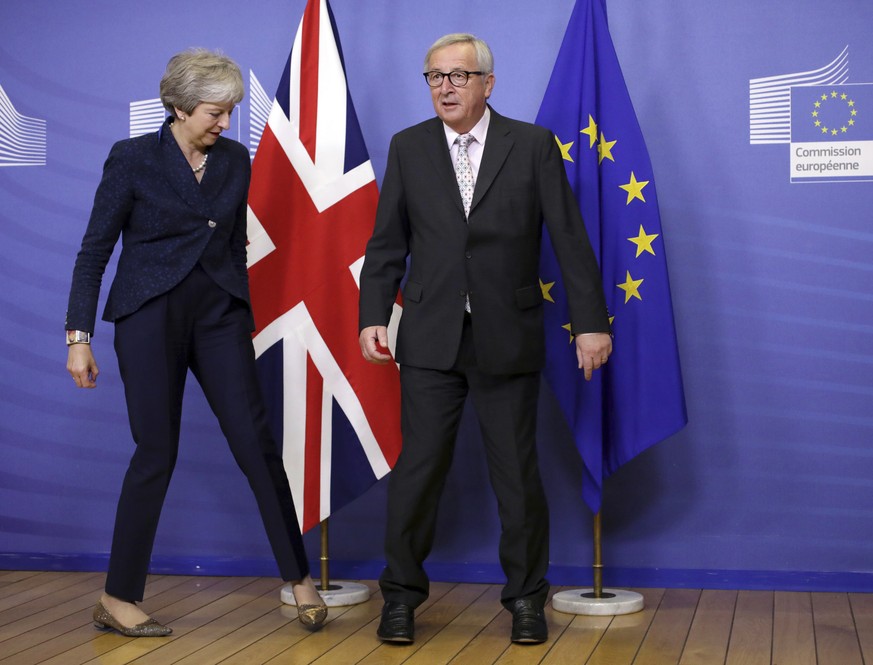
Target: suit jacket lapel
<point>178,173</point>
<point>498,143</point>
<point>216,171</point>
<point>441,158</point>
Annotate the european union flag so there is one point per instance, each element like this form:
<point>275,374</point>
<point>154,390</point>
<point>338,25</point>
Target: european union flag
<point>637,399</point>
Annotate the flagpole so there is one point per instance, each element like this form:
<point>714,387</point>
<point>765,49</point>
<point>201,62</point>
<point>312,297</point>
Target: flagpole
<point>597,565</point>
<point>325,559</point>
<point>598,601</point>
<point>338,594</point>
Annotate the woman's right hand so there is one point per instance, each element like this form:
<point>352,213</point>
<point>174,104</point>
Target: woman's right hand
<point>82,366</point>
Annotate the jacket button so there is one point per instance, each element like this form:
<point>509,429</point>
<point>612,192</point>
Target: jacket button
<point>463,293</point>
<point>468,254</point>
<point>212,224</point>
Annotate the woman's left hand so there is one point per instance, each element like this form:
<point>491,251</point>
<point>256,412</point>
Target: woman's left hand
<point>82,366</point>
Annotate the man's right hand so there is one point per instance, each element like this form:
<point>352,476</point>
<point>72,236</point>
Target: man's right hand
<point>374,344</point>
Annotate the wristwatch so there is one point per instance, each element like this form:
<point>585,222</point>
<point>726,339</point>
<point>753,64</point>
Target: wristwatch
<point>78,337</point>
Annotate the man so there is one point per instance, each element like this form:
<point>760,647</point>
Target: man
<point>464,197</point>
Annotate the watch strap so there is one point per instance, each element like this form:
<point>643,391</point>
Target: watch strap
<point>78,337</point>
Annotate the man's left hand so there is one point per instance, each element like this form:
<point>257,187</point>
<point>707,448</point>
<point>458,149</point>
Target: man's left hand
<point>592,352</point>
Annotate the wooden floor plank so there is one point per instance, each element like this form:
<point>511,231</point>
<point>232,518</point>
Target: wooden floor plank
<point>24,583</point>
<point>43,644</point>
<point>363,642</point>
<point>255,621</point>
<point>219,619</point>
<point>102,645</point>
<point>751,640</point>
<point>448,642</point>
<point>241,621</point>
<point>489,643</point>
<point>625,634</point>
<point>341,622</point>
<point>284,635</point>
<point>711,628</point>
<point>793,631</point>
<point>578,640</point>
<point>188,635</point>
<point>428,623</point>
<point>862,610</point>
<point>32,598</point>
<point>665,639</point>
<point>835,637</point>
<point>45,609</point>
<point>9,576</point>
<point>523,654</point>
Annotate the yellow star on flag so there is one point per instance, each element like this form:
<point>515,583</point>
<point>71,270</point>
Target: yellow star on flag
<point>644,242</point>
<point>545,289</point>
<point>591,130</point>
<point>566,327</point>
<point>604,149</point>
<point>565,149</point>
<point>631,288</point>
<point>634,189</point>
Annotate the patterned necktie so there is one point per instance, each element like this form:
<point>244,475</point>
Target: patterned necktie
<point>464,172</point>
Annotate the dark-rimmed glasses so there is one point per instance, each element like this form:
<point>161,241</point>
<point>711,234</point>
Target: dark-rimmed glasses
<point>457,78</point>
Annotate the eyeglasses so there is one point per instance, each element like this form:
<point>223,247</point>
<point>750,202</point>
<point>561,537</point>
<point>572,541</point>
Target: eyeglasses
<point>457,78</point>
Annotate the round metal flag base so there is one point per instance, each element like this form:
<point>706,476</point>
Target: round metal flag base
<point>338,594</point>
<point>611,603</point>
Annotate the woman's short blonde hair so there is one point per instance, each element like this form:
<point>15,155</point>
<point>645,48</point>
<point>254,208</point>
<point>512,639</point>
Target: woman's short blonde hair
<point>199,75</point>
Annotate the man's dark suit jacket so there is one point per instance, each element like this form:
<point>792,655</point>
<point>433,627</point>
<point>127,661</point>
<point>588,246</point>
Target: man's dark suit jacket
<point>494,258</point>
<point>167,221</point>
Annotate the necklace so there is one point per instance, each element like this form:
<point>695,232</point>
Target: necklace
<point>202,165</point>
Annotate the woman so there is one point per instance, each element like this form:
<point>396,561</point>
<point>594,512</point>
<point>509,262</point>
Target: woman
<point>180,301</point>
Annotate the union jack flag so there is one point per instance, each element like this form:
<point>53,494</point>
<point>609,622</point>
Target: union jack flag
<point>312,207</point>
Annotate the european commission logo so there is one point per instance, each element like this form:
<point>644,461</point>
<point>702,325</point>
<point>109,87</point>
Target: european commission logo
<point>22,139</point>
<point>832,133</point>
<point>826,121</point>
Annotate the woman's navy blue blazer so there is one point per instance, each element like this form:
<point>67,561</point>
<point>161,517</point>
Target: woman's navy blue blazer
<point>168,222</point>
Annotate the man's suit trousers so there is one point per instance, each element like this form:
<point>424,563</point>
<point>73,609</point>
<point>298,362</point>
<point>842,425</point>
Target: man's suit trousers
<point>432,402</point>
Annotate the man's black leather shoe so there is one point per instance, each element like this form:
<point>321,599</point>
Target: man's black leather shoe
<point>528,622</point>
<point>397,624</point>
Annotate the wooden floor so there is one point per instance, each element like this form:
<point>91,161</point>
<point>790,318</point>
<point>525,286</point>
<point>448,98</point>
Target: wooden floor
<point>45,617</point>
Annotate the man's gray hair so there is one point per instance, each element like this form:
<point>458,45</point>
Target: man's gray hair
<point>484,57</point>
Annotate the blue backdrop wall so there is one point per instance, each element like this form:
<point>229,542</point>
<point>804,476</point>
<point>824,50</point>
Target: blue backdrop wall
<point>770,483</point>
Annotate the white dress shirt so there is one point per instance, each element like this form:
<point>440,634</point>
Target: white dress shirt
<point>475,148</point>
